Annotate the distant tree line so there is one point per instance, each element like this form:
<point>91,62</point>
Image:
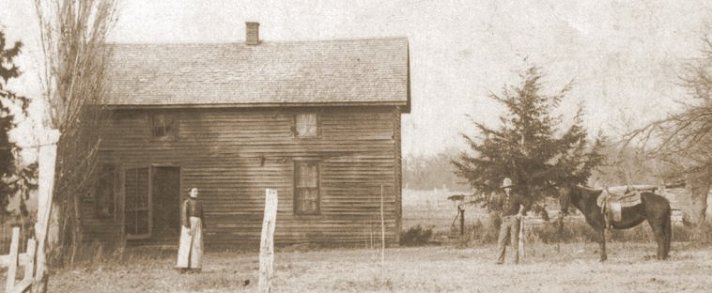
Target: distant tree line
<point>432,171</point>
<point>623,165</point>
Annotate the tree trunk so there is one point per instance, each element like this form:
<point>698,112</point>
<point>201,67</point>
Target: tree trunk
<point>698,185</point>
<point>76,229</point>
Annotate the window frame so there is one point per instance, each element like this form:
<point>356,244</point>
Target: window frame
<point>296,205</point>
<point>114,178</point>
<point>167,117</point>
<point>149,207</point>
<point>317,124</point>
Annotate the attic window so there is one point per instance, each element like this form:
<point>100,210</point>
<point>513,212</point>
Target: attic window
<point>306,125</point>
<point>163,126</point>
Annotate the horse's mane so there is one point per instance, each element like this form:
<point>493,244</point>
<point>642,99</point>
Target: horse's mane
<point>588,190</point>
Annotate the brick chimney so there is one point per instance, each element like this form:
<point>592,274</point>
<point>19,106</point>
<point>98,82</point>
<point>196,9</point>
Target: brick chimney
<point>252,33</point>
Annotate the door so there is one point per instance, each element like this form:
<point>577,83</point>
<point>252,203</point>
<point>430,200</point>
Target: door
<point>166,203</point>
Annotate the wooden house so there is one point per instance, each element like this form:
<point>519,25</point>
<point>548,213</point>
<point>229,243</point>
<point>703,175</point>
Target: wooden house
<point>317,120</point>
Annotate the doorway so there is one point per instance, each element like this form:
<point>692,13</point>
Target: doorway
<point>166,203</point>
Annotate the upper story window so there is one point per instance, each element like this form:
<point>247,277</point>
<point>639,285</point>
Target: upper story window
<point>306,125</point>
<point>163,126</point>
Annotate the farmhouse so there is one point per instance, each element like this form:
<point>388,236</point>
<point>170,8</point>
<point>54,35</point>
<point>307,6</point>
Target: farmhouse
<point>317,120</point>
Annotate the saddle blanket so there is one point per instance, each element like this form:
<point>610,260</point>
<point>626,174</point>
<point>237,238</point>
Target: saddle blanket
<point>612,203</point>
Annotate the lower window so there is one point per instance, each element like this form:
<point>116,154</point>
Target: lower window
<point>306,187</point>
<point>138,210</point>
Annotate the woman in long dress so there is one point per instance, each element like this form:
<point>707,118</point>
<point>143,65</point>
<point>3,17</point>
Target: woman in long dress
<point>190,246</point>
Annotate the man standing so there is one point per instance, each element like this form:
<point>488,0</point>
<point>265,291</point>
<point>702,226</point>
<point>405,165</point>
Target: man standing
<point>513,209</point>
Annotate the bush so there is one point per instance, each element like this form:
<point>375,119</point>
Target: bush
<point>416,236</point>
<point>698,235</point>
<point>478,233</point>
<point>484,232</point>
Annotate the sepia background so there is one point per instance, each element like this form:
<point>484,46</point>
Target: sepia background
<point>624,57</point>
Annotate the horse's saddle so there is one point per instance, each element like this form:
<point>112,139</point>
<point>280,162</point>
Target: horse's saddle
<point>613,200</point>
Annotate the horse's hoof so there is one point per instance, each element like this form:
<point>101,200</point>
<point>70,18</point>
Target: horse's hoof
<point>603,258</point>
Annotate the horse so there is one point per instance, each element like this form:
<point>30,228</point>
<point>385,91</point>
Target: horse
<point>653,207</point>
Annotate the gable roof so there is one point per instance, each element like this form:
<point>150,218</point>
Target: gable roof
<point>342,72</point>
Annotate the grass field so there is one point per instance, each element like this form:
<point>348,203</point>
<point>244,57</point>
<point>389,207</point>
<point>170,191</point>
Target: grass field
<point>422,269</point>
<point>573,268</point>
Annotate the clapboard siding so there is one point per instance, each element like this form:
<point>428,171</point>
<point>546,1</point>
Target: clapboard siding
<point>232,155</point>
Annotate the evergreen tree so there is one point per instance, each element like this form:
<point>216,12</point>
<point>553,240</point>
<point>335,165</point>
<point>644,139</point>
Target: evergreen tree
<point>526,148</point>
<point>12,179</point>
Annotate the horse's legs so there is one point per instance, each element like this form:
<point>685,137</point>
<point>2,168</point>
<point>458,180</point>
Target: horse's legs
<point>604,256</point>
<point>658,226</point>
<point>667,230</point>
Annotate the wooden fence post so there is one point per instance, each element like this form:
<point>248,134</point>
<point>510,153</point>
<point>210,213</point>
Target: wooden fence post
<point>15,259</point>
<point>29,266</point>
<point>522,252</point>
<point>12,266</point>
<point>267,241</point>
<point>383,235</point>
<point>461,209</point>
<point>371,224</point>
<point>47,160</point>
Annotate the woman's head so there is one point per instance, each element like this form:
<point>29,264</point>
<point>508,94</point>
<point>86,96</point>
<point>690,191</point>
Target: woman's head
<point>193,192</point>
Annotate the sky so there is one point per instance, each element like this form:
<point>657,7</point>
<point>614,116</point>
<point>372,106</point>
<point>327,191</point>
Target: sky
<point>625,58</point>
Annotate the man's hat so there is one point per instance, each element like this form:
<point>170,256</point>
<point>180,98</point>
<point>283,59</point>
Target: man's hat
<point>506,183</point>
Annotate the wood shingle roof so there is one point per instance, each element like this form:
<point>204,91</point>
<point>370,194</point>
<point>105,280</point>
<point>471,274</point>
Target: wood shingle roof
<point>341,72</point>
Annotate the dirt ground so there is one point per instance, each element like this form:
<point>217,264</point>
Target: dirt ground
<point>422,269</point>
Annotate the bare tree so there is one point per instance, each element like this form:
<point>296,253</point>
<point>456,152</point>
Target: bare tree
<point>682,139</point>
<point>73,38</point>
